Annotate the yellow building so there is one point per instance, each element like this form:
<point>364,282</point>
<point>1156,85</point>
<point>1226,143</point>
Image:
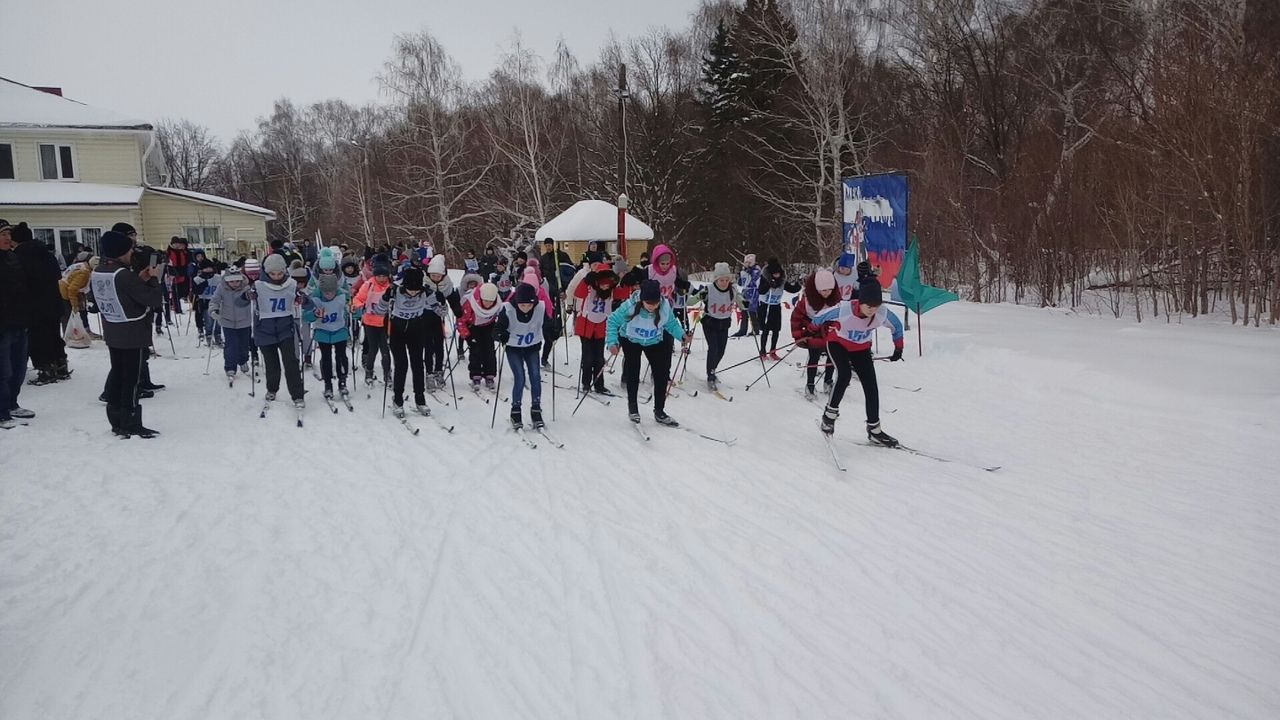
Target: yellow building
<point>71,171</point>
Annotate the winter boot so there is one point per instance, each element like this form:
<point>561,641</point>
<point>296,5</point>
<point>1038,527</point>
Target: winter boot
<point>21,413</point>
<point>231,376</point>
<point>712,384</point>
<point>8,424</point>
<point>829,419</point>
<point>135,425</point>
<point>440,379</point>
<point>517,420</point>
<point>475,383</point>
<point>880,437</point>
<point>662,418</point>
<point>328,393</point>
<point>535,415</point>
<point>602,390</point>
<point>117,420</point>
<point>431,382</point>
<point>44,376</point>
<point>61,371</point>
<point>244,368</point>
<point>342,387</point>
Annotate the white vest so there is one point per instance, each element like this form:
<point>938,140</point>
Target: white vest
<point>720,304</point>
<point>408,307</point>
<point>773,297</point>
<point>373,302</point>
<point>847,285</point>
<point>851,327</point>
<point>645,326</point>
<point>273,301</point>
<point>330,314</point>
<point>595,308</point>
<point>104,292</point>
<point>525,334</point>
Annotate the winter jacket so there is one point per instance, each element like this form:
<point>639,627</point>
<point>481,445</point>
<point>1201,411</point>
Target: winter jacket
<point>588,302</point>
<point>177,269</point>
<point>842,324</point>
<point>14,303</point>
<point>343,333</point>
<point>136,296</point>
<point>275,330</point>
<point>618,322</point>
<point>701,297</point>
<point>557,269</point>
<point>475,314</point>
<point>73,284</point>
<point>749,280</point>
<point>41,272</point>
<point>362,301</point>
<point>442,297</point>
<point>765,292</point>
<point>231,308</point>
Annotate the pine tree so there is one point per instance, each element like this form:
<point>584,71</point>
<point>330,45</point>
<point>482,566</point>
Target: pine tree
<point>721,86</point>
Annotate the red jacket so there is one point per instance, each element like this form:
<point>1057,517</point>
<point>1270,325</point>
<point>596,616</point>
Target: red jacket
<point>802,325</point>
<point>582,326</point>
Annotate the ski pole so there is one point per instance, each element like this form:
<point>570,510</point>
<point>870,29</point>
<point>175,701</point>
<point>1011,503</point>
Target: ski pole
<point>453,388</point>
<point>750,360</point>
<point>693,332</point>
<point>765,374</point>
<point>208,359</point>
<point>253,340</point>
<point>594,380</point>
<point>170,336</point>
<point>497,392</point>
<point>386,381</point>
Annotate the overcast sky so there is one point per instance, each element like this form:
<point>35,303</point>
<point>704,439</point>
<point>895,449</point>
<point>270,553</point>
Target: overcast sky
<point>223,64</point>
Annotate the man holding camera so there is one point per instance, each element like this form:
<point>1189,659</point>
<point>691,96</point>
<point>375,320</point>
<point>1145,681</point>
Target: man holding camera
<point>123,297</point>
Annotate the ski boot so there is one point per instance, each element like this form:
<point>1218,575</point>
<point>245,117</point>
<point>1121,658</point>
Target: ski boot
<point>517,420</point>
<point>431,382</point>
<point>773,355</point>
<point>244,368</point>
<point>810,392</point>
<point>422,409</point>
<point>662,418</point>
<point>880,437</point>
<point>342,388</point>
<point>712,383</point>
<point>328,393</point>
<point>488,382</point>
<point>217,342</point>
<point>271,397</point>
<point>440,379</point>
<point>600,389</point>
<point>535,415</point>
<point>299,404</point>
<point>475,384</point>
<point>829,416</point>
<point>546,364</point>
<point>827,387</point>
<point>231,376</point>
<point>21,413</point>
<point>397,411</point>
<point>634,417</point>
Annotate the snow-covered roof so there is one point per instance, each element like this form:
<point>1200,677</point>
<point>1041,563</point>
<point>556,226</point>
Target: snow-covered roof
<point>24,106</point>
<point>68,193</point>
<point>592,220</point>
<point>213,200</point>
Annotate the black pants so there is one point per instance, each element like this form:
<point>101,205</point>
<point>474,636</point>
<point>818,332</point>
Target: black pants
<point>748,317</point>
<point>864,365</point>
<point>811,372</point>
<point>44,344</point>
<point>283,353</point>
<point>716,330</point>
<point>770,323</point>
<point>659,358</point>
<point>122,380</point>
<point>550,334</point>
<point>433,342</point>
<point>592,362</point>
<point>483,362</point>
<point>407,346</point>
<point>329,354</point>
<point>200,308</point>
<point>376,342</point>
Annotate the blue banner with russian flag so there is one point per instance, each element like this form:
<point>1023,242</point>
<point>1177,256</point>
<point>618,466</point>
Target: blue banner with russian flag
<point>875,220</point>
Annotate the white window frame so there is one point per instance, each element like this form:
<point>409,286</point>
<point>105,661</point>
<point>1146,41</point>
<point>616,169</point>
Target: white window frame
<point>57,150</point>
<point>57,235</point>
<point>13,157</point>
<point>201,242</point>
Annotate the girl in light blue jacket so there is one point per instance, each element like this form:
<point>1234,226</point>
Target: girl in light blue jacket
<point>636,328</point>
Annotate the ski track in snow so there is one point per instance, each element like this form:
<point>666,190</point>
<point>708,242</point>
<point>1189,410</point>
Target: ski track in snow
<point>1124,562</point>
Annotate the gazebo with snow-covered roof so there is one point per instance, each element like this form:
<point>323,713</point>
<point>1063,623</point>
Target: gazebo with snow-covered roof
<point>595,220</point>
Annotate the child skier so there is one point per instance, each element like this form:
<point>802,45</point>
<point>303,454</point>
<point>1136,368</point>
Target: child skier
<point>230,309</point>
<point>637,328</point>
<point>442,297</point>
<point>846,281</point>
<point>305,281</point>
<point>276,330</point>
<point>749,280</point>
<point>479,315</point>
<point>820,293</point>
<point>374,317</point>
<point>204,286</point>
<point>720,299</point>
<point>408,329</point>
<point>595,297</point>
<point>773,284</point>
<point>520,331</point>
<point>331,331</point>
<point>850,328</point>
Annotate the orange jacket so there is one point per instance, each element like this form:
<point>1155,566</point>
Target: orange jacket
<point>373,319</point>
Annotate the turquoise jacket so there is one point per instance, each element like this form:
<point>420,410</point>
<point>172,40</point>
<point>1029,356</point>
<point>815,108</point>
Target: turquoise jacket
<point>333,336</point>
<point>618,319</point>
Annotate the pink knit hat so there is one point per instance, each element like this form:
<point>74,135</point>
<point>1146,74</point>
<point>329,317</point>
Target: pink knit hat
<point>532,277</point>
<point>823,280</point>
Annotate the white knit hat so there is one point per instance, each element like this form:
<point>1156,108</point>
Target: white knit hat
<point>436,266</point>
<point>721,270</point>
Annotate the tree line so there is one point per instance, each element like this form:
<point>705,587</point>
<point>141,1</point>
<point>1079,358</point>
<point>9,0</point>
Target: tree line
<point>1056,149</point>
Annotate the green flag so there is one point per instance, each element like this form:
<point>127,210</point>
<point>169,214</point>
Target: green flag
<point>914,294</point>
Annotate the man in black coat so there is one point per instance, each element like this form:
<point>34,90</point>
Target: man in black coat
<point>13,331</point>
<point>124,298</point>
<point>44,334</point>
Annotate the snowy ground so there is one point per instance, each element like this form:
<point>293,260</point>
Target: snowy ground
<point>1125,562</point>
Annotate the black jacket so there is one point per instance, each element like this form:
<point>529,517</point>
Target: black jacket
<point>136,296</point>
<point>14,303</point>
<point>41,272</point>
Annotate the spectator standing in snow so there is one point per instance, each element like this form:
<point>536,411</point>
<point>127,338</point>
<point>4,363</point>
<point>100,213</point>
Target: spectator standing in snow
<point>14,311</point>
<point>44,335</point>
<point>123,298</point>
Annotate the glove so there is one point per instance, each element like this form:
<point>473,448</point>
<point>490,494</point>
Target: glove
<point>440,297</point>
<point>502,337</point>
<point>613,349</point>
<point>802,342</point>
<point>897,355</point>
<point>217,316</point>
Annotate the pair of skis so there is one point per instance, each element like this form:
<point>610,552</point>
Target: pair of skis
<point>644,436</point>
<point>835,455</point>
<point>266,405</point>
<point>524,437</point>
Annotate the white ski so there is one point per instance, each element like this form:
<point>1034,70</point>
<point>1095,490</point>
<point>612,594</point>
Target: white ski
<point>831,447</point>
<point>524,438</point>
<point>553,441</point>
<point>639,431</point>
<point>329,402</point>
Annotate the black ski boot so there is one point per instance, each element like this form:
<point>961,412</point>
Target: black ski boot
<point>712,383</point>
<point>662,418</point>
<point>880,437</point>
<point>517,420</point>
<point>600,389</point>
<point>535,415</point>
<point>634,417</point>
<point>829,416</point>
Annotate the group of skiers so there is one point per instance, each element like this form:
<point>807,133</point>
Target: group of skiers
<point>405,311</point>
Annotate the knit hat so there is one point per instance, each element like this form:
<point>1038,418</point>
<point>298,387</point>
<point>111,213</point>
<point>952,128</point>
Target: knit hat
<point>412,279</point>
<point>489,293</point>
<point>4,225</point>
<point>436,266</point>
<point>123,228</point>
<point>721,270</point>
<point>232,274</point>
<point>532,277</point>
<point>206,264</point>
<point>114,245</point>
<point>381,266</point>
<point>749,259</point>
<point>534,263</point>
<point>773,267</point>
<point>865,271</point>
<point>870,292</point>
<point>274,264</point>
<point>650,291</point>
<point>329,284</point>
<point>620,267</point>
<point>847,260</point>
<point>20,233</point>
<point>824,280</point>
<point>252,269</point>
<point>298,271</point>
<point>327,261</point>
<point>524,293</point>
